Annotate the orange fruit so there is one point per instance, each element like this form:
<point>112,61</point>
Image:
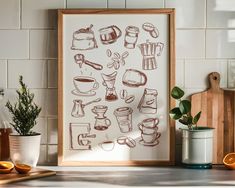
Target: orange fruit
<point>229,161</point>
<point>22,168</point>
<point>6,167</point>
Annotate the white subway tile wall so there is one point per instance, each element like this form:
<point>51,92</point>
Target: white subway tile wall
<point>190,13</point>
<point>86,4</point>
<point>116,4</point>
<point>10,14</point>
<point>43,44</point>
<point>41,14</point>
<point>220,13</point>
<point>27,68</point>
<point>190,43</point>
<point>14,44</point>
<point>3,73</point>
<point>205,38</point>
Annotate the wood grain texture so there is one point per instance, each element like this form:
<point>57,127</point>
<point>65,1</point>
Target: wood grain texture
<point>171,82</point>
<point>33,174</point>
<point>217,109</point>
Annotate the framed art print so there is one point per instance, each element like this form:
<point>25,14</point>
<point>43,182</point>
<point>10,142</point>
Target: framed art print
<point>116,70</point>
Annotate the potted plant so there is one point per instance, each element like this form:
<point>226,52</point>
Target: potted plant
<point>197,142</point>
<point>25,145</point>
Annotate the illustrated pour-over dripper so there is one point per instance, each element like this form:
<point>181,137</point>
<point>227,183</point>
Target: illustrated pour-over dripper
<point>109,82</point>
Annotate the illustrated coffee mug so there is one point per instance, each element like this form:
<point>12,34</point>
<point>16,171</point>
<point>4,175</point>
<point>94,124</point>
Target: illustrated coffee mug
<point>131,37</point>
<point>150,138</point>
<point>149,126</point>
<point>107,145</point>
<point>110,34</point>
<point>85,84</point>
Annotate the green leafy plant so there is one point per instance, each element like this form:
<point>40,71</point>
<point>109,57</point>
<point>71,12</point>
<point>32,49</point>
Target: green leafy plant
<point>24,111</point>
<point>182,113</point>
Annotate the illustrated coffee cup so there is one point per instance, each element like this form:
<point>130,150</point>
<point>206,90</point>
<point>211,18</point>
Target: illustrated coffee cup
<point>149,126</point>
<point>131,37</point>
<point>85,84</point>
<point>110,34</point>
<point>124,118</point>
<point>150,138</point>
<point>107,145</point>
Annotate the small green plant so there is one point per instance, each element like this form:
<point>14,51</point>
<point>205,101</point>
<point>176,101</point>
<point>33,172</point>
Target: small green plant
<point>182,113</point>
<point>24,111</point>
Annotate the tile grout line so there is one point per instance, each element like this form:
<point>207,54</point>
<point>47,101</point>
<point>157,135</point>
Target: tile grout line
<point>7,72</point>
<point>21,14</point>
<point>184,77</point>
<point>29,44</point>
<point>205,29</point>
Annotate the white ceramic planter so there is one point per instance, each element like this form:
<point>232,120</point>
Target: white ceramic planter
<point>25,149</point>
<point>197,147</point>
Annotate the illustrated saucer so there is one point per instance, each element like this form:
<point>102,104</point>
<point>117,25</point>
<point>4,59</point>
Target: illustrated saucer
<point>156,142</point>
<point>89,93</point>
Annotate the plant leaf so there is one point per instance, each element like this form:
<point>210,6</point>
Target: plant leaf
<point>185,106</point>
<point>186,120</point>
<point>197,117</point>
<point>175,113</point>
<point>177,93</point>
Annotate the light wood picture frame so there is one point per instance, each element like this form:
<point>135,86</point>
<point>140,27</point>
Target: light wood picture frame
<point>116,68</point>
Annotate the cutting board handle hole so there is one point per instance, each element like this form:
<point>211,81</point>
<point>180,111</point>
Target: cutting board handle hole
<point>215,78</point>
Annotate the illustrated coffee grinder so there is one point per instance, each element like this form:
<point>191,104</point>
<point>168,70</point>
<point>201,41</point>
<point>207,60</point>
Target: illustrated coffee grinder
<point>109,81</point>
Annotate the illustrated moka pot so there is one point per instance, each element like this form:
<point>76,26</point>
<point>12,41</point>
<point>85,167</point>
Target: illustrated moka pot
<point>149,50</point>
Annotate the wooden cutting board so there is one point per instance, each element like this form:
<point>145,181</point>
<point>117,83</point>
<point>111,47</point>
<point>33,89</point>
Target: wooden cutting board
<point>217,106</point>
<point>15,177</point>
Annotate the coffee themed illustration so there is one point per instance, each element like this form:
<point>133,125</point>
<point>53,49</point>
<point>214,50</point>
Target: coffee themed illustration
<point>85,86</point>
<point>110,34</point>
<point>149,50</point>
<point>134,78</point>
<point>128,141</point>
<point>84,39</point>
<point>151,29</point>
<point>127,98</point>
<point>109,82</point>
<point>78,107</point>
<point>101,121</point>
<point>131,36</point>
<point>80,60</point>
<point>148,101</point>
<point>117,60</point>
<point>107,144</point>
<point>115,74</point>
<point>149,132</point>
<point>124,118</point>
<point>80,136</point>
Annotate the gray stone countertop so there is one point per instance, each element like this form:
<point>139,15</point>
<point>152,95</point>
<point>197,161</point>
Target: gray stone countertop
<point>113,177</point>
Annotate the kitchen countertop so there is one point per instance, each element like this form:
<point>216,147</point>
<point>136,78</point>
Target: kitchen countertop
<point>131,177</point>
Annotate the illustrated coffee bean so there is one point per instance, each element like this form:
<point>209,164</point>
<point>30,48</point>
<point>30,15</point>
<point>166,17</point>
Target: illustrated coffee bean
<point>109,53</point>
<point>130,142</point>
<point>154,33</point>
<point>123,94</point>
<point>130,99</point>
<point>125,54</point>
